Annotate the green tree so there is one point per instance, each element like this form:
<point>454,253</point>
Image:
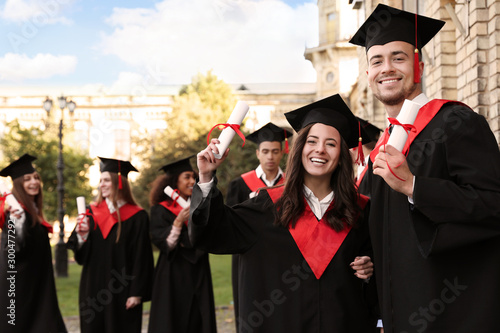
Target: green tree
<point>45,146</point>
<point>205,102</point>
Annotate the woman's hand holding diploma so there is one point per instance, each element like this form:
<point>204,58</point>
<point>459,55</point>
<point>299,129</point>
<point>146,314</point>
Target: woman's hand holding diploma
<point>207,162</point>
<point>82,226</point>
<point>182,217</point>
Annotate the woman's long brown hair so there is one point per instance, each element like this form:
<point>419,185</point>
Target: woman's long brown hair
<point>33,207</point>
<point>291,203</point>
<point>124,194</point>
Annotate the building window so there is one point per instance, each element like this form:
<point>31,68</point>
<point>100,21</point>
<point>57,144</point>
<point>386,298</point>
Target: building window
<point>330,76</point>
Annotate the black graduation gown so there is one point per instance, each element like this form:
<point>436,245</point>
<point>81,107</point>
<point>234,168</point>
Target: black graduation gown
<point>112,272</point>
<point>182,299</point>
<point>277,290</point>
<point>33,290</point>
<point>436,260</point>
<point>238,191</point>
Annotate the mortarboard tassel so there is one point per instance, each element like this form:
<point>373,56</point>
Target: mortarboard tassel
<point>416,62</point>
<point>120,185</point>
<point>286,144</point>
<point>360,158</point>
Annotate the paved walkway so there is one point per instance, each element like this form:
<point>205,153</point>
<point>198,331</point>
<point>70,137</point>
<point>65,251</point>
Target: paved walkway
<point>225,321</point>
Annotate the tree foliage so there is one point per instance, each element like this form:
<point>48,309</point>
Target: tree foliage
<point>45,146</point>
<point>205,102</point>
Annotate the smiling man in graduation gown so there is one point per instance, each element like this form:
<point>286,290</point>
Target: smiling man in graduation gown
<point>269,139</point>
<point>435,216</point>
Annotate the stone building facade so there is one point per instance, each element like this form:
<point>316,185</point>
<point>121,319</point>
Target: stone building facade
<point>104,123</point>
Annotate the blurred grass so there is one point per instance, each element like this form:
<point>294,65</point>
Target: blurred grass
<point>220,266</point>
<point>67,288</point>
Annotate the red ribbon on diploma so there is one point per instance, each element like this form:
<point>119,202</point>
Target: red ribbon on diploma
<point>87,213</point>
<point>177,197</point>
<point>408,128</point>
<point>235,128</point>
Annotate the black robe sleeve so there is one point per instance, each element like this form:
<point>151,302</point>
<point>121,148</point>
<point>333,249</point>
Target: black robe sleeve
<point>142,262</point>
<point>457,182</point>
<point>81,251</point>
<point>161,225</point>
<point>211,220</point>
<point>237,192</point>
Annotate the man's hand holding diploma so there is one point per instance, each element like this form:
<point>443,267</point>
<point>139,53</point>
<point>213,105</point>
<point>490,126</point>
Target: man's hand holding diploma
<point>400,178</point>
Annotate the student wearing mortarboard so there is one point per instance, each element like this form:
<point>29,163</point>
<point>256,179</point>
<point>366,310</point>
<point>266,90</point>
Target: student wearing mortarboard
<point>304,246</point>
<point>28,299</point>
<point>269,151</point>
<point>183,299</point>
<point>435,215</point>
<point>113,245</point>
<point>269,139</point>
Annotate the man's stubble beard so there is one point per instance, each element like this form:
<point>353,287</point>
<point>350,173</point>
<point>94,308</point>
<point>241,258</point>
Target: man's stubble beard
<point>396,99</point>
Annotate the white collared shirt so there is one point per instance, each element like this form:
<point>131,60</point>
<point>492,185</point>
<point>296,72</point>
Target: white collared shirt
<point>421,99</point>
<point>111,207</point>
<point>317,206</point>
<point>262,175</point>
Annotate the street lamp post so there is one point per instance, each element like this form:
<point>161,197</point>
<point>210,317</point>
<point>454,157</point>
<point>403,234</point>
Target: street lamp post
<point>61,253</point>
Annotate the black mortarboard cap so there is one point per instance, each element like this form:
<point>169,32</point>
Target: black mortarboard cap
<point>370,129</point>
<point>388,24</point>
<point>178,166</point>
<point>269,132</point>
<point>19,167</point>
<point>116,166</point>
<point>330,111</point>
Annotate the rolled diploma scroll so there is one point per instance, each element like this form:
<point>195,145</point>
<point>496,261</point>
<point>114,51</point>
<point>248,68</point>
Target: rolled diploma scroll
<point>406,116</point>
<point>227,134</point>
<point>11,200</point>
<point>80,205</point>
<point>174,195</point>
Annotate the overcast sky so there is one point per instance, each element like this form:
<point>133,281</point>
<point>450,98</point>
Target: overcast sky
<point>77,42</point>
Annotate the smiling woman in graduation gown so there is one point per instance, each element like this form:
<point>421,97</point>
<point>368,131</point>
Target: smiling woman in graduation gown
<point>28,299</point>
<point>303,245</point>
<point>183,299</point>
<point>115,250</point>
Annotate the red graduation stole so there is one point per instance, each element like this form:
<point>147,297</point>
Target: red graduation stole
<point>316,240</point>
<point>172,207</point>
<point>105,220</point>
<point>47,226</point>
<point>254,183</point>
